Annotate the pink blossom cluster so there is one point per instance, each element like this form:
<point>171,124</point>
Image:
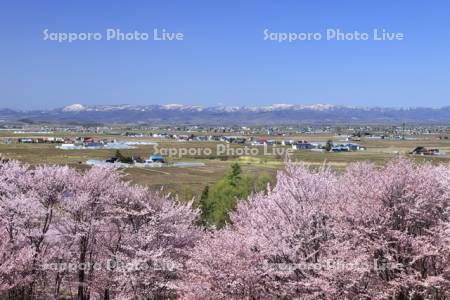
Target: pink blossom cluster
<point>364,233</point>
<point>87,235</point>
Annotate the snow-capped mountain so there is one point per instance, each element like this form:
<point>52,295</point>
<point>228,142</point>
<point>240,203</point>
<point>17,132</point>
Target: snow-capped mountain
<point>229,115</point>
<point>74,108</point>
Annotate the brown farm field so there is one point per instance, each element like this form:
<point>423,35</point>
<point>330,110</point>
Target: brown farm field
<point>188,182</point>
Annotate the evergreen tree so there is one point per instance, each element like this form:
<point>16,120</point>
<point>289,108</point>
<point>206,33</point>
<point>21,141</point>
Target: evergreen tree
<point>329,145</point>
<point>204,206</point>
<point>218,201</point>
<point>123,159</point>
<point>234,176</point>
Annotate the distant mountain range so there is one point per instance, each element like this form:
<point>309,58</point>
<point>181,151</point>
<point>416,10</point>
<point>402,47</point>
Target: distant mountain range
<point>228,115</point>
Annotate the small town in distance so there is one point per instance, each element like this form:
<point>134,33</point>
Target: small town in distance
<point>208,151</point>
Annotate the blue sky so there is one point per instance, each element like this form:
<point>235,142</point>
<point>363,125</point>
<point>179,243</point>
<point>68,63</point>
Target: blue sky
<point>223,58</point>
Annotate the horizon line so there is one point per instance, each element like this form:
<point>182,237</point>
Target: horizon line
<point>280,105</point>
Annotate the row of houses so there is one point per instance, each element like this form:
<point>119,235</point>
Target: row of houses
<point>191,137</point>
<point>305,145</point>
<point>41,140</point>
<point>213,138</point>
<point>56,140</point>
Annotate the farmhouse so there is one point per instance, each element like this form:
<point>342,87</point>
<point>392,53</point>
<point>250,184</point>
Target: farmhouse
<point>155,159</point>
<point>67,147</point>
<point>259,142</point>
<point>88,140</point>
<point>54,140</point>
<point>93,145</point>
<point>424,151</point>
<point>26,140</point>
<point>234,139</point>
<point>347,147</point>
<point>200,138</point>
<point>303,145</point>
<point>354,147</point>
<point>287,142</point>
<point>160,135</point>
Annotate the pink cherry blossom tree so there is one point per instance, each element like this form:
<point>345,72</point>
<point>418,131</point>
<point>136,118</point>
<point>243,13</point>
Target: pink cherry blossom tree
<point>80,234</point>
<point>29,200</point>
<point>366,232</point>
<point>363,233</point>
<point>396,220</point>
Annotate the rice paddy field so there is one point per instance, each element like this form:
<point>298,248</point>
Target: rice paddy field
<point>188,182</point>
